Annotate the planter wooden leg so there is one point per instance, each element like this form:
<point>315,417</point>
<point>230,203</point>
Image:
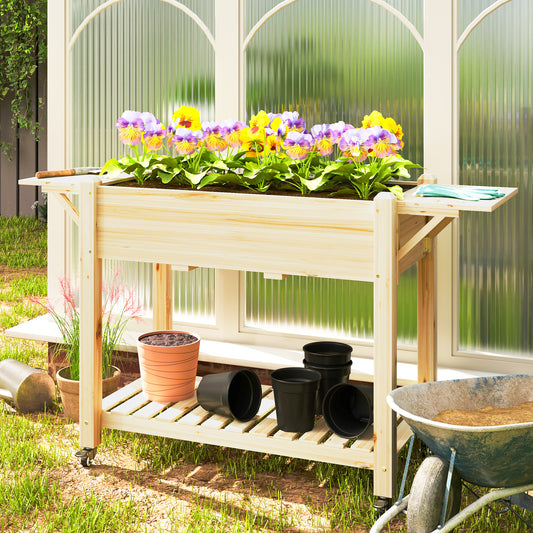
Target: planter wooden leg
<point>162,297</point>
<point>385,342</point>
<point>90,322</point>
<point>427,352</point>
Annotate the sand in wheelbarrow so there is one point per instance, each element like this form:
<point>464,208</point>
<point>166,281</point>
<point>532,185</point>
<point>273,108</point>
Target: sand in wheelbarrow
<point>488,416</point>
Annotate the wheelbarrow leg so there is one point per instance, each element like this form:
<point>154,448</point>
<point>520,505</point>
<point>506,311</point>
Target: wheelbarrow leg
<point>383,505</point>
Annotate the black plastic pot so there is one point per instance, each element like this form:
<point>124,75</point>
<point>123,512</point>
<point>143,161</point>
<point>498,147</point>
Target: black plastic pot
<point>295,391</point>
<point>328,353</point>
<point>235,394</point>
<point>330,376</point>
<point>348,409</point>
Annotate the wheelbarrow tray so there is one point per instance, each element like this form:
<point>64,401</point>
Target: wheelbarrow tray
<point>489,456</point>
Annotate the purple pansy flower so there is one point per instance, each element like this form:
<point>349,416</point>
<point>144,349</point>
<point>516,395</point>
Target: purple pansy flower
<point>230,131</point>
<point>355,144</point>
<point>297,145</point>
<point>185,140</point>
<point>383,142</point>
<point>153,136</point>
<point>130,127</point>
<point>293,121</point>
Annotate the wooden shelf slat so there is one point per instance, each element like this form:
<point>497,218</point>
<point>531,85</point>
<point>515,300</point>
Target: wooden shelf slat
<point>129,409</point>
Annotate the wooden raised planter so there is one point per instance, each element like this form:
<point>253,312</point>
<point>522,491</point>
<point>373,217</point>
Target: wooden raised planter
<point>336,238</point>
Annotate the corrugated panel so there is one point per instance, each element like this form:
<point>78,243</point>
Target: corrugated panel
<point>333,60</point>
<point>496,148</point>
<point>145,55</point>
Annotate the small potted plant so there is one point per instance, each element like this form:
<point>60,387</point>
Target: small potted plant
<point>119,306</point>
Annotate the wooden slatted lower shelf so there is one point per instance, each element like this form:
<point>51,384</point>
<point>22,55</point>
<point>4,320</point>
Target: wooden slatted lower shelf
<point>128,409</point>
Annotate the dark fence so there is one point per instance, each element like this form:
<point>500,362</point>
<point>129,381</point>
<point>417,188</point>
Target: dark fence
<point>26,155</point>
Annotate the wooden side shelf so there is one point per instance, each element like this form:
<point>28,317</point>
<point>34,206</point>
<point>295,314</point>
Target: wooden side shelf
<point>129,410</point>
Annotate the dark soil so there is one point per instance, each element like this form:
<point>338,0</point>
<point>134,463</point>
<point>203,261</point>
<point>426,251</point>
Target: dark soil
<point>233,188</point>
<point>169,339</point>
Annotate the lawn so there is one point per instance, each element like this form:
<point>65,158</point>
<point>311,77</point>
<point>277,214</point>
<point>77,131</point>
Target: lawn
<point>141,483</point>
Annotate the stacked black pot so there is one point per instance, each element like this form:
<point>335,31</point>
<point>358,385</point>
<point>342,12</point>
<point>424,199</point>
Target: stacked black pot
<point>333,360</point>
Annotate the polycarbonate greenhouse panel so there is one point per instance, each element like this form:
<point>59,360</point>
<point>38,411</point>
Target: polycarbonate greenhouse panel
<point>495,269</point>
<point>144,55</point>
<point>321,58</point>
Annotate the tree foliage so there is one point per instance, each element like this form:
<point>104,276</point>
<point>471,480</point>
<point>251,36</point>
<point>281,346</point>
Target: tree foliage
<point>22,49</point>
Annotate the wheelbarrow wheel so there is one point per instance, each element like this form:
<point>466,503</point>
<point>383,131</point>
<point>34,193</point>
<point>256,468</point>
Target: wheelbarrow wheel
<point>426,499</point>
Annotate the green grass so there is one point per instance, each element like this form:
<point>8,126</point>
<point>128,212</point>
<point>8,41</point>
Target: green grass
<point>152,488</point>
<point>23,444</point>
<point>23,286</point>
<point>23,498</point>
<point>92,514</point>
<point>22,242</point>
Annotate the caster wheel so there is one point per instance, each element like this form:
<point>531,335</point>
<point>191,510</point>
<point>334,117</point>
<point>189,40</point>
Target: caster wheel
<point>382,505</point>
<point>426,499</point>
<point>86,456</point>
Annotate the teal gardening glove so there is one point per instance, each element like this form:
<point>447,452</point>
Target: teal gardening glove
<point>470,193</point>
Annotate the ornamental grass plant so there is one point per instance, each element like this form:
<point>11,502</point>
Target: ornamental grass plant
<point>119,307</point>
<point>275,151</point>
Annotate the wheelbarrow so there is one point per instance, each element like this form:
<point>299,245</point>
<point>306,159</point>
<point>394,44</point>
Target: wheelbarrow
<point>498,457</point>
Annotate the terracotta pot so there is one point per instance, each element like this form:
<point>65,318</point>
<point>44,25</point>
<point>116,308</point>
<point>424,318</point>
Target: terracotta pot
<point>168,372</point>
<point>70,391</point>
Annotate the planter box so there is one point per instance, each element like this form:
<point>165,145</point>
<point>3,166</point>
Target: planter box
<point>336,238</point>
<point>276,234</point>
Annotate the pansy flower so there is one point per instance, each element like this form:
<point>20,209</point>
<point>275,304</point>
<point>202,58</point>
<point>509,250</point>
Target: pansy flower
<point>130,127</point>
<point>273,142</point>
<point>293,121</point>
<point>327,135</point>
<point>297,145</point>
<point>213,136</point>
<point>261,120</point>
<point>187,117</point>
<point>383,142</point>
<point>322,138</point>
<point>278,127</point>
<point>153,136</point>
<point>254,141</point>
<point>337,129</point>
<point>185,140</point>
<point>230,132</point>
<point>376,119</point>
<point>355,144</point>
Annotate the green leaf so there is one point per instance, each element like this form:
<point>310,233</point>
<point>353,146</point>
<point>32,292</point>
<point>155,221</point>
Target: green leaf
<point>397,191</point>
<point>314,184</point>
<point>195,179</point>
<point>112,167</point>
<point>209,179</point>
<point>165,177</point>
<point>220,165</point>
<point>343,191</point>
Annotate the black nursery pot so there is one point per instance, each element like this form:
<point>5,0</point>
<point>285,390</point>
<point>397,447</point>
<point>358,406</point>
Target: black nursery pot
<point>330,376</point>
<point>328,353</point>
<point>295,391</point>
<point>235,394</point>
<point>348,409</point>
